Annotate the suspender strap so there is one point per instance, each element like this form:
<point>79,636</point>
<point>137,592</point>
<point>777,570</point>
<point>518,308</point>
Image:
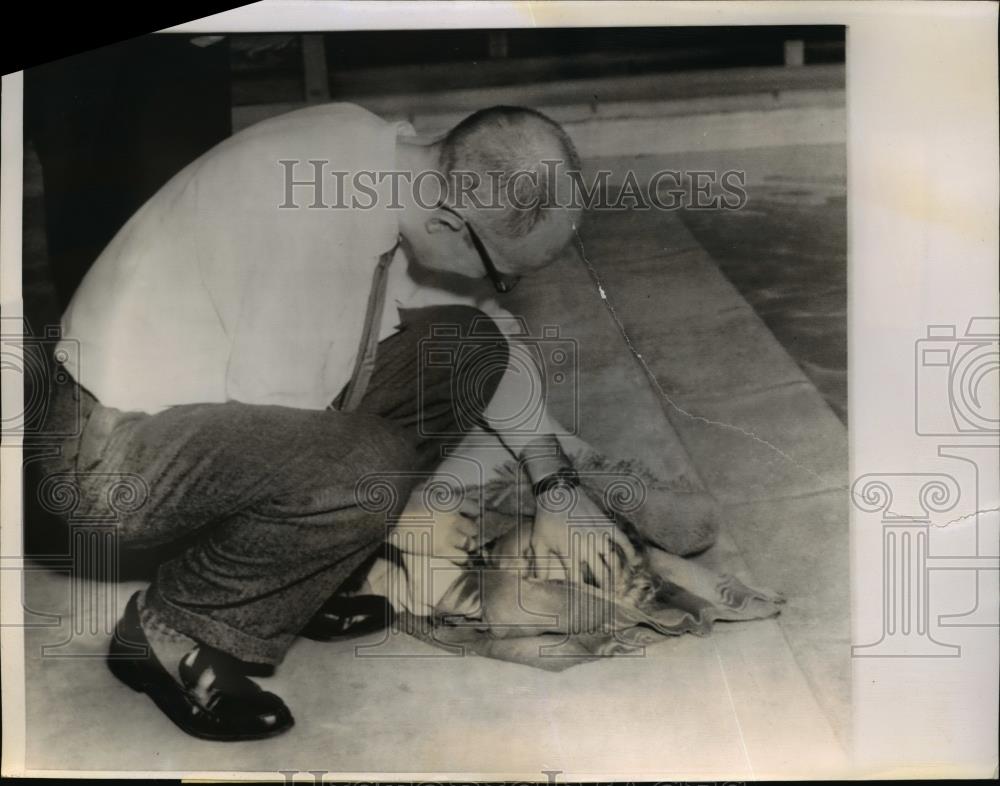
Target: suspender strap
<point>364,365</point>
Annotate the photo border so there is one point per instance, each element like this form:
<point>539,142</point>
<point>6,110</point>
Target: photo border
<point>923,197</point>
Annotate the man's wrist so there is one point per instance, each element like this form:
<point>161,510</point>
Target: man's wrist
<point>542,457</point>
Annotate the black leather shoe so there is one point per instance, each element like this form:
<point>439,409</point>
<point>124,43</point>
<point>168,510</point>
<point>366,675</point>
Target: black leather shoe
<point>349,615</point>
<point>216,701</point>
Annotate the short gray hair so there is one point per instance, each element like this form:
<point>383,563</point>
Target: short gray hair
<point>519,144</point>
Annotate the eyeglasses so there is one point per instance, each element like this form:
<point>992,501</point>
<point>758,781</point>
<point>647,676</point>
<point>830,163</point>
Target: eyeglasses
<point>502,282</point>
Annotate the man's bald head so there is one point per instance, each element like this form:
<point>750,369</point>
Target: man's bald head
<point>520,160</point>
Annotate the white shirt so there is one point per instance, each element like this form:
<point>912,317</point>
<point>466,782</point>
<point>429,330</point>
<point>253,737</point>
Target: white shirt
<point>211,293</point>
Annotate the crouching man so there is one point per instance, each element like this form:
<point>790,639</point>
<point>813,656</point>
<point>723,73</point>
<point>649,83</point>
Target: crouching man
<point>250,347</point>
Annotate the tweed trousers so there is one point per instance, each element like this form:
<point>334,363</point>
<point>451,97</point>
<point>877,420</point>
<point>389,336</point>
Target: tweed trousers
<point>261,502</point>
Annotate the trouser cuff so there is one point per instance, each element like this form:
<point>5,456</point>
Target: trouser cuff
<point>214,633</point>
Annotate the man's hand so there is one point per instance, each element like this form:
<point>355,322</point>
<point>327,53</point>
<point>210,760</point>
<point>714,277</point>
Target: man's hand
<point>455,533</point>
<point>601,551</point>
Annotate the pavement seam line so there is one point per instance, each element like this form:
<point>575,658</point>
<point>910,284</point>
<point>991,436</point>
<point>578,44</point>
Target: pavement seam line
<point>598,281</point>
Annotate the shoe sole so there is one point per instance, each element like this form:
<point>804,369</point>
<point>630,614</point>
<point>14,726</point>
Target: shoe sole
<point>374,611</point>
<point>351,631</point>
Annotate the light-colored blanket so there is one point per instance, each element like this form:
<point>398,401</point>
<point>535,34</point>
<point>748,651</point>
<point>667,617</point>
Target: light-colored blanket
<point>493,605</point>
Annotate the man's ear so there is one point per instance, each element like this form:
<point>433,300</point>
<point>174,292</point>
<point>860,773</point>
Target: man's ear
<point>443,221</point>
